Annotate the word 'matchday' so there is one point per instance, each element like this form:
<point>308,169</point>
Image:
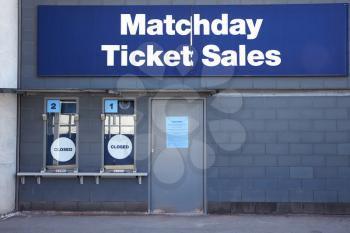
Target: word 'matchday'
<point>211,54</point>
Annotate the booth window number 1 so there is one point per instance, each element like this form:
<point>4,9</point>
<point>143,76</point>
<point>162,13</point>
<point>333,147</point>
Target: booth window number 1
<point>111,106</point>
<point>53,106</point>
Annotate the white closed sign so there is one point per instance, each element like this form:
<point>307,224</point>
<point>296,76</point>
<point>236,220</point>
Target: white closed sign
<point>63,149</point>
<point>119,146</point>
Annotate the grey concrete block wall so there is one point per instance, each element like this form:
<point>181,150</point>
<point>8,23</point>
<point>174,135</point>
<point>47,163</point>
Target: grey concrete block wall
<point>30,80</point>
<point>69,194</point>
<point>296,149</point>
<point>8,134</point>
<point>8,103</point>
<point>248,161</point>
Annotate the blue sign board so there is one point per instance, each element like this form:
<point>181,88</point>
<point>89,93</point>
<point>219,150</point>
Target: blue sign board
<point>184,40</point>
<point>53,106</point>
<point>177,132</point>
<point>111,106</point>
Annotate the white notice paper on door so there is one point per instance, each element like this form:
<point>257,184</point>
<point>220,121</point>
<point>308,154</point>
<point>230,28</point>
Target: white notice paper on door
<point>177,132</point>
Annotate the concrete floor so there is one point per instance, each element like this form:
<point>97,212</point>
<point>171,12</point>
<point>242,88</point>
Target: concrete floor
<point>39,223</point>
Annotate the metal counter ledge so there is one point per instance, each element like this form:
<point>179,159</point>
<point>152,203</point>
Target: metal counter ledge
<point>81,175</point>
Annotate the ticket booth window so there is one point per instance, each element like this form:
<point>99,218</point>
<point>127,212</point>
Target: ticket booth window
<point>61,131</point>
<point>118,135</point>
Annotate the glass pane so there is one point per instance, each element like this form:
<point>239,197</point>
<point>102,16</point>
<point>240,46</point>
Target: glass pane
<point>61,137</point>
<point>73,129</point>
<point>72,120</point>
<point>68,107</point>
<point>64,119</point>
<point>127,120</point>
<point>111,130</point>
<point>114,130</point>
<point>127,130</point>
<point>112,120</point>
<point>115,124</point>
<point>63,130</point>
<point>126,107</point>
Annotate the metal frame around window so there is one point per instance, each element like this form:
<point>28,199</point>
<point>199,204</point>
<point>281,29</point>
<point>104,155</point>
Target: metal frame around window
<point>103,129</point>
<point>61,98</point>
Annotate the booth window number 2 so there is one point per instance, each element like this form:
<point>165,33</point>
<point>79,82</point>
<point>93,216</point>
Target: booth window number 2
<point>111,106</point>
<point>53,106</point>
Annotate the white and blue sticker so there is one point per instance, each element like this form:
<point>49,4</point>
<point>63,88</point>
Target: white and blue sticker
<point>111,106</point>
<point>53,106</point>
